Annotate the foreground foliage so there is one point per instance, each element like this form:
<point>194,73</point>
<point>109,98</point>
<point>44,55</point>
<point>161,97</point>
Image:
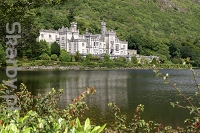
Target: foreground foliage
<point>40,114</point>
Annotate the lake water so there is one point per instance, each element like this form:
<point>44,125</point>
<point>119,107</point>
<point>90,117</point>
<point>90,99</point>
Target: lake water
<point>127,88</point>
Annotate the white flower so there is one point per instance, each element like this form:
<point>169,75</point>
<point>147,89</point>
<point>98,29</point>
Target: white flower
<point>167,75</point>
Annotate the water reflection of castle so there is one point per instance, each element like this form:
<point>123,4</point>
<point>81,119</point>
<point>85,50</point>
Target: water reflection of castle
<point>110,87</point>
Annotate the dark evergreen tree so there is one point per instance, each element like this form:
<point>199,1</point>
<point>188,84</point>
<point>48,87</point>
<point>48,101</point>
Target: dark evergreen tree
<point>55,48</point>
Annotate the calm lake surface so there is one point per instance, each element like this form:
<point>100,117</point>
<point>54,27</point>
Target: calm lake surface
<point>127,88</point>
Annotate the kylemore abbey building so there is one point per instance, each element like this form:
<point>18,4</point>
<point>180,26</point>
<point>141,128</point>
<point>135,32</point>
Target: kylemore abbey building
<point>88,43</point>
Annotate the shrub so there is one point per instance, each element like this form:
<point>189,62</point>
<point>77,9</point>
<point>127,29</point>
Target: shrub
<point>95,58</point>
<point>64,56</point>
<point>144,61</point>
<point>154,61</point>
<point>88,57</point>
<point>108,64</point>
<point>130,64</point>
<point>134,60</point>
<point>137,125</point>
<point>176,61</point>
<point>54,57</point>
<point>106,58</point>
<point>40,114</point>
<point>92,64</point>
<point>32,63</point>
<point>120,64</point>
<point>39,62</point>
<point>19,63</point>
<point>78,57</point>
<point>120,59</point>
<point>44,56</point>
<point>42,63</point>
<point>68,63</point>
<point>73,58</point>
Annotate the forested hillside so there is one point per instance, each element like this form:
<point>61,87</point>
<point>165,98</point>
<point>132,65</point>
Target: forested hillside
<point>167,28</point>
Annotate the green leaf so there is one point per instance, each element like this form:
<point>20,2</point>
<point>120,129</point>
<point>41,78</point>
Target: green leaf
<point>99,129</point>
<point>27,130</point>
<point>78,125</point>
<point>95,130</point>
<point>3,131</point>
<point>87,125</point>
<point>66,130</point>
<point>24,118</point>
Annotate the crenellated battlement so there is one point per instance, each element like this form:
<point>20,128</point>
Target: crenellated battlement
<point>110,32</point>
<point>48,31</point>
<point>63,29</point>
<point>103,23</point>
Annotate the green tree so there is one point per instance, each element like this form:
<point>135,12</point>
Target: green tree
<point>78,57</point>
<point>52,18</point>
<point>25,12</point>
<point>33,51</point>
<point>55,48</point>
<point>174,50</point>
<point>64,56</point>
<point>44,47</point>
<point>162,58</point>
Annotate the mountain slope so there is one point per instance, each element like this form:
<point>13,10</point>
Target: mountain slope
<point>158,27</point>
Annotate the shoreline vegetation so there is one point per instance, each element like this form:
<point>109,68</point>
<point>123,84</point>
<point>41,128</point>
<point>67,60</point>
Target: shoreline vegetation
<point>45,65</point>
<point>92,68</point>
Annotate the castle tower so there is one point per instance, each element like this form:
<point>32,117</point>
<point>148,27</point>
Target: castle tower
<point>103,28</point>
<point>86,31</point>
<point>73,26</point>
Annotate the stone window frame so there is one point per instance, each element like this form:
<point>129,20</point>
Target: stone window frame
<point>70,46</point>
<point>75,47</point>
